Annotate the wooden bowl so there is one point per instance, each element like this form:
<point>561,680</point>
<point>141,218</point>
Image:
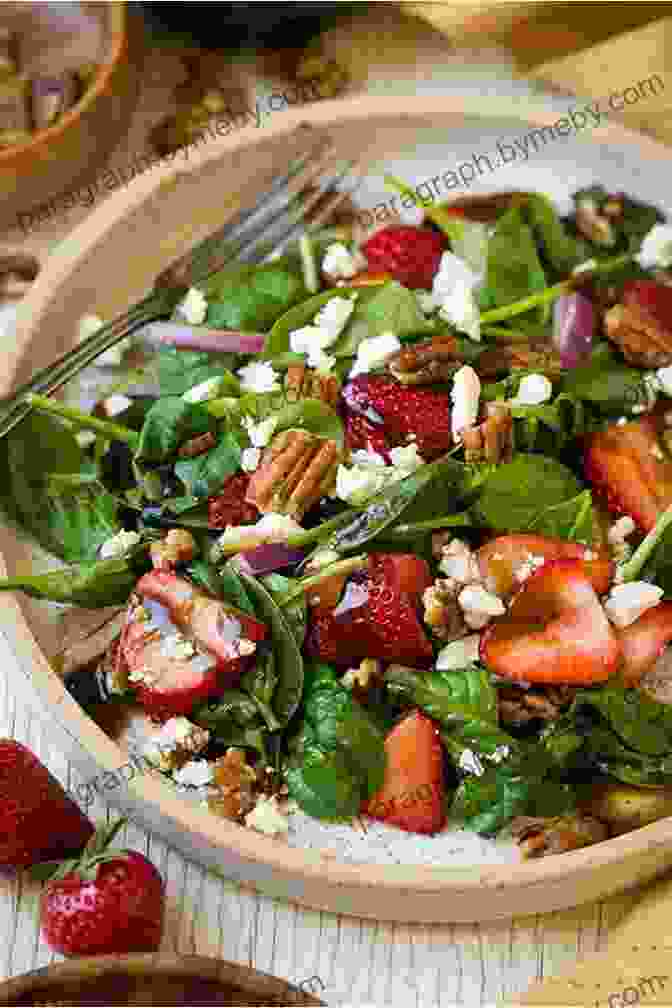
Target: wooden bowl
<point>148,980</point>
<point>75,149</point>
<point>108,263</point>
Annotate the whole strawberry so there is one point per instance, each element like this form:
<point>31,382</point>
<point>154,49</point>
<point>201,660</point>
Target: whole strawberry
<point>108,902</point>
<point>409,254</point>
<point>38,820</point>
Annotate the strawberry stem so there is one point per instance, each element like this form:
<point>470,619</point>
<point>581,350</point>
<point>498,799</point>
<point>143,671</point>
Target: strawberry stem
<point>630,570</point>
<point>115,432</point>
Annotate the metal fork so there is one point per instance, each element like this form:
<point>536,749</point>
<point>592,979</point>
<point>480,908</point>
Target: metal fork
<point>279,214</point>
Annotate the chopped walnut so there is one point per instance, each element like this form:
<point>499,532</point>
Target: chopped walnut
<point>234,780</point>
<point>640,337</point>
<point>360,679</point>
<point>296,470</point>
<point>178,547</point>
<point>538,837</point>
<point>197,445</point>
<point>426,363</point>
<point>442,611</point>
<point>491,440</point>
<point>519,706</point>
<point>504,357</point>
<point>305,383</point>
<point>594,225</point>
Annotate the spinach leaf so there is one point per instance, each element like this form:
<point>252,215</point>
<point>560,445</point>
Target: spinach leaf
<point>277,341</point>
<point>658,568</point>
<point>313,416</point>
<point>640,722</point>
<point>93,585</point>
<point>260,681</point>
<point>81,516</point>
<point>224,583</point>
<point>574,520</point>
<point>390,307</point>
<point>234,720</point>
<point>606,382</point>
<point>296,611</point>
<point>513,268</point>
<point>168,424</point>
<point>515,492</point>
<point>634,222</point>
<point>339,722</point>
<point>180,370</point>
<point>323,783</point>
<point>252,297</point>
<point>549,427</point>
<point>289,661</point>
<point>205,474</point>
<point>561,250</point>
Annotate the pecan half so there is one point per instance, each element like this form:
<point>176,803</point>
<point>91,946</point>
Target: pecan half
<point>519,706</point>
<point>506,356</point>
<point>491,440</point>
<point>641,338</point>
<point>425,363</point>
<point>441,610</point>
<point>305,383</point>
<point>197,445</point>
<point>538,836</point>
<point>296,470</point>
<point>235,782</point>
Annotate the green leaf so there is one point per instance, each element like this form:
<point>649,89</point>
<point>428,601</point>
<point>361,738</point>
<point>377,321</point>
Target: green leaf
<point>252,298</point>
<point>324,784</point>
<point>289,661</point>
<point>573,520</point>
<point>606,383</point>
<point>339,722</point>
<point>82,515</point>
<point>561,250</point>
<point>277,341</point>
<point>205,474</point>
<point>389,308</point>
<point>296,611</point>
<point>180,370</point>
<point>513,268</point>
<point>515,492</point>
<point>169,423</point>
<point>550,426</point>
<point>640,722</point>
<point>224,583</point>
<point>313,416</point>
<point>105,583</point>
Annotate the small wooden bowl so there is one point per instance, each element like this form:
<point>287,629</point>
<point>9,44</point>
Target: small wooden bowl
<point>65,156</point>
<point>147,980</point>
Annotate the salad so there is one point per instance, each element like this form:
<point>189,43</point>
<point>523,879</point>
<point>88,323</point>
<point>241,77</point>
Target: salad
<point>387,533</point>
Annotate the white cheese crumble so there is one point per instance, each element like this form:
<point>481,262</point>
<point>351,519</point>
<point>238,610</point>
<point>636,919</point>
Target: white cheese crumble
<point>534,389</point>
<point>358,483</point>
<point>656,249</point>
<point>500,754</point>
<point>259,377</point>
<point>459,562</point>
<point>479,606</point>
<point>458,653</point>
<point>621,530</point>
<point>267,817</point>
<point>176,646</point>
<point>453,288</point>
<point>328,324</point>
<point>260,433</point>
<point>116,404</point>
<point>113,356</point>
<point>193,308</point>
<point>118,543</point>
<point>339,262</point>
<point>270,528</point>
<point>195,773</point>
<point>249,459</point>
<point>470,763</point>
<point>406,458</point>
<point>627,602</point>
<point>664,376</point>
<point>209,389</point>
<point>465,395</point>
<point>177,733</point>
<point>373,352</point>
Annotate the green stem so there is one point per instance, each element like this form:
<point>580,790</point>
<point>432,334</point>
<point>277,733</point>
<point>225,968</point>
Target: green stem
<point>331,570</point>
<point>105,428</point>
<point>630,570</point>
<point>300,539</point>
<point>448,521</point>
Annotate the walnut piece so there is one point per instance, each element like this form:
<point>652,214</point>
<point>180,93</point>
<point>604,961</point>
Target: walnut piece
<point>519,706</point>
<point>178,547</point>
<point>235,782</point>
<point>504,357</point>
<point>491,440</point>
<point>296,470</point>
<point>441,610</point>
<point>538,837</point>
<point>305,383</point>
<point>640,337</point>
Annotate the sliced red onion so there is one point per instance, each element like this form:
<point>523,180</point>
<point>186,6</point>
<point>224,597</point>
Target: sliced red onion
<point>573,328</point>
<point>187,337</point>
<point>268,558</point>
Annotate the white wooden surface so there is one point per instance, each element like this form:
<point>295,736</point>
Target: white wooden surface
<point>359,962</point>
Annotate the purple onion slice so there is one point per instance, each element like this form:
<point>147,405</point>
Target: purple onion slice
<point>573,328</point>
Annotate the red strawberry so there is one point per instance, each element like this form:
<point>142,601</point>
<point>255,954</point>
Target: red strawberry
<point>176,682</point>
<point>376,616</point>
<point>38,820</point>
<point>631,470</point>
<point>410,254</point>
<point>413,789</point>
<point>107,903</point>
<point>404,410</point>
<point>503,557</point>
<point>644,641</point>
<point>229,507</point>
<point>555,631</point>
<point>362,434</point>
<point>654,298</point>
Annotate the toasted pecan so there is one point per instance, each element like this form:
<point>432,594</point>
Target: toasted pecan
<point>425,363</point>
<point>540,836</point>
<point>198,445</point>
<point>305,383</point>
<point>491,440</point>
<point>234,780</point>
<point>639,336</point>
<point>296,470</point>
<point>504,357</point>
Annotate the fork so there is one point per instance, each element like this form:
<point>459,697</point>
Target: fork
<point>241,240</point>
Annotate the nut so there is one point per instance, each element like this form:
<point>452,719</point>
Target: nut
<point>640,337</point>
<point>593,225</point>
<point>492,440</point>
<point>426,363</point>
<point>197,445</point>
<point>178,547</point>
<point>361,678</point>
<point>296,470</point>
<point>234,780</point>
<point>506,356</point>
<point>537,836</point>
<point>519,706</point>
<point>441,610</point>
<point>305,383</point>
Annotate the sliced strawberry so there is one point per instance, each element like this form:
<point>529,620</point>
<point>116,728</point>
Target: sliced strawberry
<point>407,573</point>
<point>375,617</point>
<point>413,789</point>
<point>404,410</point>
<point>555,631</point>
<point>644,641</point>
<point>654,298</point>
<point>229,507</point>
<point>627,465</point>
<point>410,254</point>
<point>507,560</point>
<point>361,434</point>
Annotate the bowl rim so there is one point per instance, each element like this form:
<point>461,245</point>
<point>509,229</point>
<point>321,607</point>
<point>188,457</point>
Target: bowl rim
<point>307,866</point>
<point>116,47</point>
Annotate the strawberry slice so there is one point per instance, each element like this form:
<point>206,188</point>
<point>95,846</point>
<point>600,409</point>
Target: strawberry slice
<point>413,789</point>
<point>229,507</point>
<point>555,631</point>
<point>627,465</point>
<point>404,410</point>
<point>361,434</point>
<point>376,617</point>
<point>507,560</point>
<point>409,254</point>
<point>654,298</point>
<point>644,641</point>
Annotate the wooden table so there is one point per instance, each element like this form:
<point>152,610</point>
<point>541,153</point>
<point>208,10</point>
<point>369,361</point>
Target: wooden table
<point>352,961</point>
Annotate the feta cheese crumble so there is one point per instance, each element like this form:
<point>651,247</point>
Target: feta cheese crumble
<point>664,376</point>
<point>459,653</point>
<point>195,773</point>
<point>465,395</point>
<point>328,324</point>
<point>358,483</point>
<point>177,735</point>
<point>259,377</point>
<point>373,352</point>
<point>249,459</point>
<point>340,263</point>
<point>656,249</point>
<point>534,389</point>
<point>193,308</point>
<point>204,391</point>
<point>267,817</point>
<point>116,404</point>
<point>118,544</point>
<point>260,433</point>
<point>621,530</point>
<point>470,763</point>
<point>271,527</point>
<point>479,606</point>
<point>627,602</point>
<point>459,562</point>
<point>453,289</point>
